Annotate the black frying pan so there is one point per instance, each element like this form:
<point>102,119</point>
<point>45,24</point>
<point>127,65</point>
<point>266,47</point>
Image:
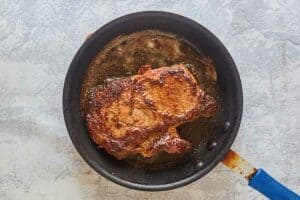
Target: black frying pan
<point>199,164</point>
<point>202,160</point>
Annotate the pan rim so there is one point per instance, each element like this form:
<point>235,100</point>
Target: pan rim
<point>167,186</point>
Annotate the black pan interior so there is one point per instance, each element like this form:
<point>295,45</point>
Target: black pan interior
<point>212,150</point>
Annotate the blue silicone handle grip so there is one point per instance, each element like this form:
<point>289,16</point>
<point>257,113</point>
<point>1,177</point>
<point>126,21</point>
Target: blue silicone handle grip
<point>268,186</point>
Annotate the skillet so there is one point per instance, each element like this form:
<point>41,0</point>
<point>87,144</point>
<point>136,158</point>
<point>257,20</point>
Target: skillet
<point>231,98</point>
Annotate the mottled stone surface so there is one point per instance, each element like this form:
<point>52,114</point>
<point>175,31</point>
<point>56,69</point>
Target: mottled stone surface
<point>37,42</point>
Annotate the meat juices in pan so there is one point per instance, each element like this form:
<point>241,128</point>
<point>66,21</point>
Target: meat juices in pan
<point>122,58</point>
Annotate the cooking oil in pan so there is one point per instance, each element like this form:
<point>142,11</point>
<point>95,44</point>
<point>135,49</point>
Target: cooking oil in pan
<point>123,57</point>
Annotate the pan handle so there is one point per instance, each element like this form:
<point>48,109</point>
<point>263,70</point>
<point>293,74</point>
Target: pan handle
<point>258,178</point>
<point>271,188</point>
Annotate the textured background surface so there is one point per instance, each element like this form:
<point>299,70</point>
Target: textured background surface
<point>37,42</point>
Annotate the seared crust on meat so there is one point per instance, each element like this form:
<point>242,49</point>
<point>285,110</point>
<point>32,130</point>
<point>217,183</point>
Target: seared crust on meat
<point>139,114</point>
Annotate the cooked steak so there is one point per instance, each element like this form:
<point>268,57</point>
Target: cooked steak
<point>139,114</point>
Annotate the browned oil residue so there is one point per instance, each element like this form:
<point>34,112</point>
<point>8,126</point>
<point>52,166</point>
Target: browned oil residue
<point>238,164</point>
<point>231,159</point>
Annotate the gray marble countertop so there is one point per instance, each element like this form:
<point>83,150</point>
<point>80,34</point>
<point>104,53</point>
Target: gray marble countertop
<point>37,42</point>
